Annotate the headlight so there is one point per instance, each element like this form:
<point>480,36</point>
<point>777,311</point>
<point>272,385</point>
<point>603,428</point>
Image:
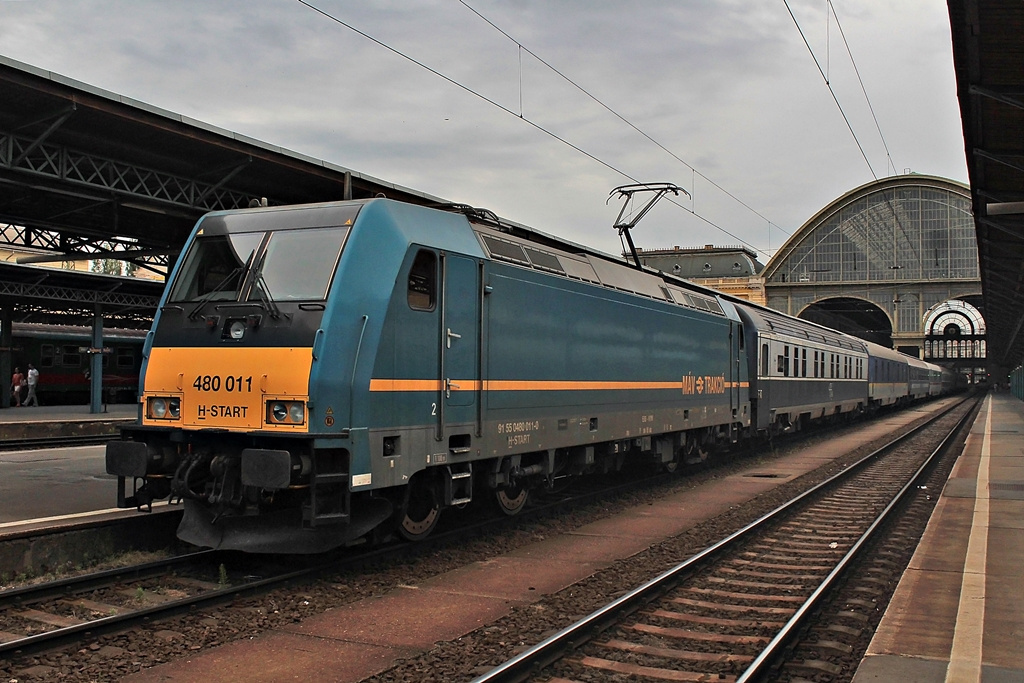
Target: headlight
<point>164,407</point>
<point>237,329</point>
<point>286,412</point>
<point>158,407</point>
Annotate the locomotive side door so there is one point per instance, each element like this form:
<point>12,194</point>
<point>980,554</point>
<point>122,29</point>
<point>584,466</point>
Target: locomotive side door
<point>736,345</point>
<point>459,341</point>
<point>762,394</point>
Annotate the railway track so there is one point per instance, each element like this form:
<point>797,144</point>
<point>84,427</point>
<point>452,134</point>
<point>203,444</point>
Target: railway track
<point>730,612</point>
<point>63,613</point>
<point>60,613</point>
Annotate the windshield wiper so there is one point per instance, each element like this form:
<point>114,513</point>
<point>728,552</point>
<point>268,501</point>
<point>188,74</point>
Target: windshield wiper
<point>260,285</point>
<point>219,287</point>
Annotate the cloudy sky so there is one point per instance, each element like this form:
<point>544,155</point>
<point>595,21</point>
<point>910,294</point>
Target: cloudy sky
<point>536,109</point>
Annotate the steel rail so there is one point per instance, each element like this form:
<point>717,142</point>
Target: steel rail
<point>550,650</point>
<point>34,593</point>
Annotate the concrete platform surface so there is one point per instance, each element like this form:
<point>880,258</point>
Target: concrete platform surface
<point>78,413</point>
<point>958,613</point>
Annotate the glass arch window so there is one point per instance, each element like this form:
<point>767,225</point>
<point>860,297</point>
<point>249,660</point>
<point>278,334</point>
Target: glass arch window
<point>954,329</point>
<point>898,229</point>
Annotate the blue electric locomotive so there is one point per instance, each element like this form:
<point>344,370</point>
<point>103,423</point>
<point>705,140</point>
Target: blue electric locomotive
<point>319,372</point>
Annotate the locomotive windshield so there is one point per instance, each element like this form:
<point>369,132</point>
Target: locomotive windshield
<point>298,264</point>
<point>283,265</point>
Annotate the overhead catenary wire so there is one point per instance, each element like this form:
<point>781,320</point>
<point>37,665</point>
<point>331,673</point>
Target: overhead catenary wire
<point>616,114</point>
<point>830,9</point>
<point>835,98</point>
<point>863,89</point>
<point>522,117</point>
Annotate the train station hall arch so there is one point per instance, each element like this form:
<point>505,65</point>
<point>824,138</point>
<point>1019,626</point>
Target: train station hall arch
<point>881,260</point>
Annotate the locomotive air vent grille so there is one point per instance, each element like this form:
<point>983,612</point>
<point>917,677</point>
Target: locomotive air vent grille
<point>544,260</point>
<point>714,307</point>
<point>584,269</point>
<point>505,250</point>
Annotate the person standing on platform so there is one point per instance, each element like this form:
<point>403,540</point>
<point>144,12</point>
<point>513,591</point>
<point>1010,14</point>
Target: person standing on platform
<point>16,381</point>
<point>33,380</point>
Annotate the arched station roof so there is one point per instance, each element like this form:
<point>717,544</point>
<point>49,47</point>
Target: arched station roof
<point>910,227</point>
<point>875,260</point>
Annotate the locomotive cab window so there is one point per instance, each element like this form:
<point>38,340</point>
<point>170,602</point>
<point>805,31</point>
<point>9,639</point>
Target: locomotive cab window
<point>215,267</point>
<point>423,282</point>
<point>295,264</point>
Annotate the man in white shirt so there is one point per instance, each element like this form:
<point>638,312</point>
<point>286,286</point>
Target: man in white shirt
<point>33,379</point>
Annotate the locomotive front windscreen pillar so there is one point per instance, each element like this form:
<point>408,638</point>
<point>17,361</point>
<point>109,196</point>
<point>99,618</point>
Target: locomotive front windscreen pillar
<point>96,363</point>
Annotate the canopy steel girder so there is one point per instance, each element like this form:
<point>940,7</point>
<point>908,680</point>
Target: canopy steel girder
<point>127,318</point>
<point>35,157</point>
<point>1011,96</point>
<point>43,292</point>
<point>72,247</point>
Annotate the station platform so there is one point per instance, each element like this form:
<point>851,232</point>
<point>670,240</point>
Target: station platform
<point>28,422</point>
<point>958,612</point>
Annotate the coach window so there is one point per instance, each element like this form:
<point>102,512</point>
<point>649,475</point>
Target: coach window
<point>764,360</point>
<point>70,356</point>
<point>423,281</point>
<point>803,362</point>
<point>46,356</point>
<point>125,357</point>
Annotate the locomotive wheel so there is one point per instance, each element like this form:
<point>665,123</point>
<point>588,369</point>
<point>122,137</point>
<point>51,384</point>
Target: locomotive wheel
<point>693,452</point>
<point>421,512</point>
<point>511,501</point>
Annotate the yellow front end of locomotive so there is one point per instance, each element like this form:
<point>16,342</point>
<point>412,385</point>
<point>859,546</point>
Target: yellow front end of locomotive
<point>237,389</point>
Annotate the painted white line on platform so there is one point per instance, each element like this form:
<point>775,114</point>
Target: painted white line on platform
<point>965,656</point>
<point>76,515</point>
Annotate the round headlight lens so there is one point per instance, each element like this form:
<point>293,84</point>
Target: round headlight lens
<point>158,407</point>
<point>237,329</point>
<point>295,412</point>
<point>279,411</point>
<point>174,407</point>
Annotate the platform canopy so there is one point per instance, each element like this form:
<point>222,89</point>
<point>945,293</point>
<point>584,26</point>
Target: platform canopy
<point>988,55</point>
<point>89,174</point>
